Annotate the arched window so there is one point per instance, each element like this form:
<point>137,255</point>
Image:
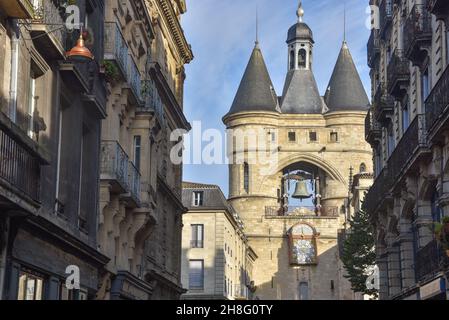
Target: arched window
<point>302,57</point>
<point>303,291</point>
<point>246,177</point>
<point>292,59</point>
<point>362,168</point>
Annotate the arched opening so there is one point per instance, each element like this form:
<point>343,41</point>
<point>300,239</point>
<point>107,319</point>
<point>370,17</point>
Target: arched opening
<point>292,59</point>
<point>303,249</point>
<point>362,168</point>
<point>302,58</point>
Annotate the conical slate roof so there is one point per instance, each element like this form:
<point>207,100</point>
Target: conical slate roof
<point>345,90</point>
<point>256,91</point>
<point>301,95</point>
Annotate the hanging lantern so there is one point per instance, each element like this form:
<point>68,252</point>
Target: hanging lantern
<point>80,52</point>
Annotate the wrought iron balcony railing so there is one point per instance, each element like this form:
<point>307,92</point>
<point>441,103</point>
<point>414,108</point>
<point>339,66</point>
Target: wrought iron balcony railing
<point>115,47</point>
<point>152,100</point>
<point>295,211</point>
<point>48,29</point>
<point>383,102</point>
<point>398,71</point>
<point>19,168</point>
<point>379,191</point>
<point>428,261</point>
<point>436,106</point>
<point>114,166</point>
<point>134,80</point>
<point>373,48</point>
<point>20,9</point>
<point>413,140</point>
<point>385,15</point>
<point>372,128</point>
<point>417,32</point>
<point>134,183</point>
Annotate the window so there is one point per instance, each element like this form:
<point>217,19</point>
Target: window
<point>303,291</point>
<point>246,177</point>
<point>137,151</point>
<point>197,236</point>
<point>198,198</point>
<point>405,118</point>
<point>291,136</point>
<point>66,294</point>
<point>30,287</point>
<point>390,140</point>
<point>196,274</point>
<point>334,137</point>
<point>425,85</point>
<point>302,56</point>
<point>362,168</point>
<point>313,136</point>
<point>292,59</point>
<point>31,105</point>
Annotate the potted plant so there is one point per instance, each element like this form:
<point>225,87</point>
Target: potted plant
<point>442,234</point>
<point>111,71</point>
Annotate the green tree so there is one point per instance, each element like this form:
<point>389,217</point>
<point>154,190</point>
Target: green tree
<point>359,254</point>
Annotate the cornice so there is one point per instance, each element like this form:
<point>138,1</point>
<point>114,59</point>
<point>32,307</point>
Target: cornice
<point>176,31</point>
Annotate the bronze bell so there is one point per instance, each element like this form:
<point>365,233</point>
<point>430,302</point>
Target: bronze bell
<point>301,191</point>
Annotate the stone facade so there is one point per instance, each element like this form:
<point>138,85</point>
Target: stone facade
<point>50,122</point>
<point>86,178</point>
<point>222,246</point>
<point>307,134</point>
<point>409,55</point>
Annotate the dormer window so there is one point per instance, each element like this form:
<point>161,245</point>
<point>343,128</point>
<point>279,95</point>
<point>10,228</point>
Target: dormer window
<point>198,198</point>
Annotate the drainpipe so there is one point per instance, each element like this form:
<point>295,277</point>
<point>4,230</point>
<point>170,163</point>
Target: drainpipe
<point>3,257</point>
<point>15,38</point>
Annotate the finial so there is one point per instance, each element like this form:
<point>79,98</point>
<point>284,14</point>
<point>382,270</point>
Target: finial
<point>300,11</point>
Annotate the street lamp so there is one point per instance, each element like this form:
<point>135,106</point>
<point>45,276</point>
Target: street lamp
<point>80,52</point>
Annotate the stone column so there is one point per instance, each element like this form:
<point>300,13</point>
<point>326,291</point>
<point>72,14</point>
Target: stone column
<point>423,223</point>
<point>382,264</point>
<point>394,274</point>
<point>407,256</point>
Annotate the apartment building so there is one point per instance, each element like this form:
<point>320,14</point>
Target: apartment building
<point>217,261</point>
<point>408,53</point>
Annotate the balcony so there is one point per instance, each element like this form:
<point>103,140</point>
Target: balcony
<point>428,261</point>
<point>373,48</point>
<point>373,131</point>
<point>19,165</point>
<point>152,101</point>
<point>412,145</point>
<point>437,104</point>
<point>19,9</point>
<point>134,81</point>
<point>115,48</point>
<point>398,71</point>
<point>133,195</point>
<point>386,16</point>
<point>383,103</point>
<point>48,31</point>
<point>379,191</point>
<point>418,33</point>
<point>440,8</point>
<point>299,211</point>
<point>114,166</point>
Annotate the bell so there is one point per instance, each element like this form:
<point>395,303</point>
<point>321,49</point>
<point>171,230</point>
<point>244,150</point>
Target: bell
<point>301,191</point>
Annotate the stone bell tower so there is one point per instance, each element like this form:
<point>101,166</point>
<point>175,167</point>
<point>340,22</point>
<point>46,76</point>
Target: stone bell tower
<point>293,200</point>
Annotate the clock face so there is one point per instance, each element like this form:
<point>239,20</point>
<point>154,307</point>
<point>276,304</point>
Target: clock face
<point>303,252</point>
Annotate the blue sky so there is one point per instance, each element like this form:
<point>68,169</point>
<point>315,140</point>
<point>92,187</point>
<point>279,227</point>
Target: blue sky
<point>222,34</point>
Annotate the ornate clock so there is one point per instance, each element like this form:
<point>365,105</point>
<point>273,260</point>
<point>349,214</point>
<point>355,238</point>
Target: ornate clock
<point>302,245</point>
